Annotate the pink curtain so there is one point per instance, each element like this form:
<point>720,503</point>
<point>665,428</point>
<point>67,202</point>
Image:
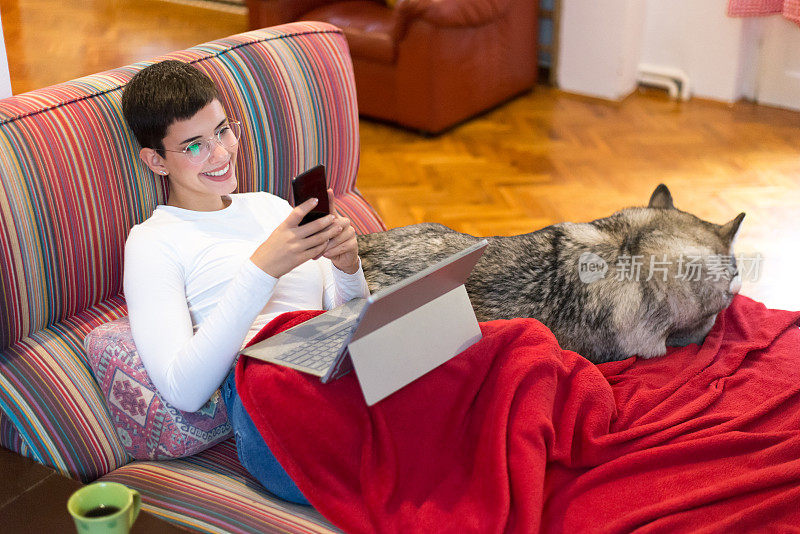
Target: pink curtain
<point>753,8</point>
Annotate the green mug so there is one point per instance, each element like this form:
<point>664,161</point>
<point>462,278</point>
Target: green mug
<point>106,507</point>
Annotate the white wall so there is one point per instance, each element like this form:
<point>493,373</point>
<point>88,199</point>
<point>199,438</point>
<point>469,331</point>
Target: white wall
<point>5,78</point>
<point>600,46</point>
<point>632,39</point>
<point>697,37</point>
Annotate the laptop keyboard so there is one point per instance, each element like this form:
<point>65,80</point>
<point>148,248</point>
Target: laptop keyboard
<point>317,354</point>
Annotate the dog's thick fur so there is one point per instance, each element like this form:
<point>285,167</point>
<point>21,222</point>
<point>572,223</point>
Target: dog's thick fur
<point>610,317</point>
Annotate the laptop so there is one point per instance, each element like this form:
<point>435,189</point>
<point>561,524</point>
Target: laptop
<point>391,338</point>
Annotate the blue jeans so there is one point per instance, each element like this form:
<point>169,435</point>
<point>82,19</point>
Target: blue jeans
<point>253,453</point>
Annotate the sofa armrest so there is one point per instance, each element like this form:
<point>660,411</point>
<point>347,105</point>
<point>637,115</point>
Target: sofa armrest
<point>452,13</point>
<point>266,13</point>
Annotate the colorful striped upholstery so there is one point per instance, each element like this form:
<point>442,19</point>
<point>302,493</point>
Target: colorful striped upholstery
<point>229,500</point>
<point>71,186</point>
<point>10,438</point>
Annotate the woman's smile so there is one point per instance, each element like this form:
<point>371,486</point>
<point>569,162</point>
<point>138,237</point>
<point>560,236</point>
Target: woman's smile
<point>219,175</point>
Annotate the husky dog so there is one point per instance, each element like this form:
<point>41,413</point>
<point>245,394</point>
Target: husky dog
<point>629,284</point>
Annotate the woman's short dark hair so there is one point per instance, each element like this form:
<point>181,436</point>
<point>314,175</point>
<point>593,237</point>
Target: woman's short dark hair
<point>161,94</point>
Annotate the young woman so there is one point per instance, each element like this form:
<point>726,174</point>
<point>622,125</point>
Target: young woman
<point>207,270</point>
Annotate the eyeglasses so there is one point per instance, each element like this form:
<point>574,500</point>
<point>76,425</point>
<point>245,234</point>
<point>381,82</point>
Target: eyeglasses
<point>199,151</point>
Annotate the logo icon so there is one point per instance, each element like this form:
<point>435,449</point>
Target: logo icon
<point>591,267</point>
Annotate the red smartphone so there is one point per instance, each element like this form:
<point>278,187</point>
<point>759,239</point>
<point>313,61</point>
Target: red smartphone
<point>312,184</point>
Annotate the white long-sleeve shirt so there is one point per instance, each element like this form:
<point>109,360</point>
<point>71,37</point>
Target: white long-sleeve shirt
<point>195,298</point>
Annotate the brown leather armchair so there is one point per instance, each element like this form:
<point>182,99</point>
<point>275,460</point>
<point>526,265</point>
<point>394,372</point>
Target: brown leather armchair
<point>426,64</point>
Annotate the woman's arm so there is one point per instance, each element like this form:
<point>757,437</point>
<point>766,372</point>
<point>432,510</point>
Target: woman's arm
<point>186,366</point>
<point>341,287</point>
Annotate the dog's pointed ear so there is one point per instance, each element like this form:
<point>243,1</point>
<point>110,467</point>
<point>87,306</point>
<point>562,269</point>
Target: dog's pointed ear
<point>727,232</point>
<point>661,198</point>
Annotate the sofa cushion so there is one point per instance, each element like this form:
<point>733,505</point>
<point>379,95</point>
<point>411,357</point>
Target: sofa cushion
<point>148,426</point>
<point>212,492</point>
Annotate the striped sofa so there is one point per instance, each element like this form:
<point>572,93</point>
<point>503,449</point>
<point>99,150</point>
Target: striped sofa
<point>71,187</point>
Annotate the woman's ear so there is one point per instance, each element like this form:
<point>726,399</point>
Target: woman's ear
<point>154,161</point>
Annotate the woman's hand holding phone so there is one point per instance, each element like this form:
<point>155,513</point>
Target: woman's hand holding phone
<point>312,230</point>
<point>342,249</point>
<point>291,244</point>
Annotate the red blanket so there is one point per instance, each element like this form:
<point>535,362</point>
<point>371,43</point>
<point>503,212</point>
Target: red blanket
<point>517,435</point>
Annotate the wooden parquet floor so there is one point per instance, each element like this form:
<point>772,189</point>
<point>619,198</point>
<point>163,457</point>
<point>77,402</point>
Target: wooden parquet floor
<point>542,158</point>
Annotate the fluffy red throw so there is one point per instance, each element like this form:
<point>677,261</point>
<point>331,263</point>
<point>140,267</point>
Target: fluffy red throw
<point>517,435</point>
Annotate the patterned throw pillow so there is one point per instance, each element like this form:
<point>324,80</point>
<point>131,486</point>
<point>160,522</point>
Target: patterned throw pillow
<point>148,426</point>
